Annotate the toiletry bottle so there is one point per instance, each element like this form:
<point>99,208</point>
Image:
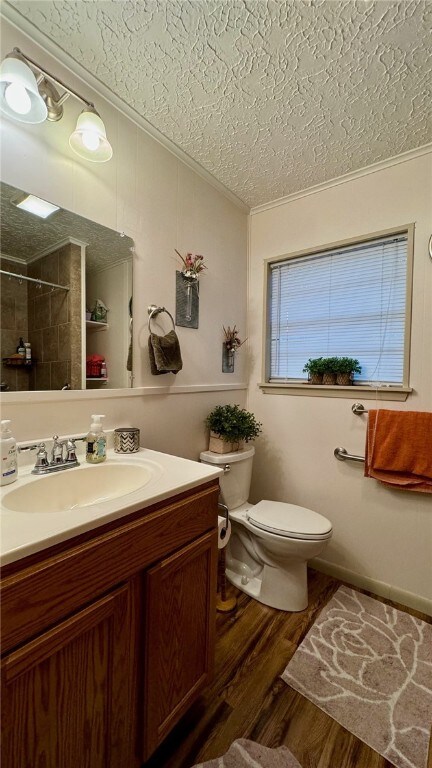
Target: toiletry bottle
<point>9,465</point>
<point>104,372</point>
<point>27,352</point>
<point>96,441</point>
<point>21,347</point>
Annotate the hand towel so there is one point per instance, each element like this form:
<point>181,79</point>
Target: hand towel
<point>399,449</point>
<point>164,353</point>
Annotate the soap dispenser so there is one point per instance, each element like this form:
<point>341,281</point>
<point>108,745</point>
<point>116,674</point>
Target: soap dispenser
<point>9,465</point>
<point>96,441</point>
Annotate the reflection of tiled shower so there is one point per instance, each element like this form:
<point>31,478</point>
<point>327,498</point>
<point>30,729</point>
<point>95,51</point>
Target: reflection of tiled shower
<point>51,322</point>
<point>14,323</point>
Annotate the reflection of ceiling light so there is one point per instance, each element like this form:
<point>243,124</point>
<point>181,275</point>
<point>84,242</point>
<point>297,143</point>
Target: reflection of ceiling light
<point>31,100</point>
<point>37,206</point>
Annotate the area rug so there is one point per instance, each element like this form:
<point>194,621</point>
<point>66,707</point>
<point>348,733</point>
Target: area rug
<point>247,754</point>
<point>369,666</point>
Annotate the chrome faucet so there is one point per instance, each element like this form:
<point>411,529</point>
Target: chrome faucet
<point>63,455</point>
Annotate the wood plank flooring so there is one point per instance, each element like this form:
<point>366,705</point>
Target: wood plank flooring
<point>247,698</point>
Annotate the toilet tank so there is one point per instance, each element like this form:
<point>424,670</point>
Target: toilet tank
<point>236,480</point>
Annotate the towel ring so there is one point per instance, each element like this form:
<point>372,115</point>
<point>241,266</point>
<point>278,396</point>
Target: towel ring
<point>153,311</point>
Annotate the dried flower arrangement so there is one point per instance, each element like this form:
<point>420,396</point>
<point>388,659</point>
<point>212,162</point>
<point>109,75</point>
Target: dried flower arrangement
<point>193,264</point>
<point>232,340</point>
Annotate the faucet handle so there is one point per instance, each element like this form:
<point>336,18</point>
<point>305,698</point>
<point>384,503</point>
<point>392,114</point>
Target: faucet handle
<point>41,456</point>
<point>71,451</point>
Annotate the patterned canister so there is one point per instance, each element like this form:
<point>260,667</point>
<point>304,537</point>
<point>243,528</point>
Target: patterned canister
<point>126,440</point>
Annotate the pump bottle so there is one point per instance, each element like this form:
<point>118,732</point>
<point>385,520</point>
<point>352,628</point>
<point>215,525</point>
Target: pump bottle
<point>9,464</point>
<point>96,441</point>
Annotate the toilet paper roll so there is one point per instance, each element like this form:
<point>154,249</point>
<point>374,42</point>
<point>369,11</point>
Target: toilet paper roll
<point>224,533</point>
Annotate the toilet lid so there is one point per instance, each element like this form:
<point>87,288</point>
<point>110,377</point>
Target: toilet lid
<point>289,520</point>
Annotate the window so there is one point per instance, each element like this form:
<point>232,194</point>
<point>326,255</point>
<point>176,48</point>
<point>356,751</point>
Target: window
<point>352,300</point>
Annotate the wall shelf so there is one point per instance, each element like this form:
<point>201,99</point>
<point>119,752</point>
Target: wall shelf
<point>94,325</point>
<point>14,362</point>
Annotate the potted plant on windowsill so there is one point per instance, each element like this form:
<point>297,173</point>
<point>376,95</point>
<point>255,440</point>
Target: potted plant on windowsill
<point>230,427</point>
<point>346,367</point>
<point>329,370</point>
<point>314,369</point>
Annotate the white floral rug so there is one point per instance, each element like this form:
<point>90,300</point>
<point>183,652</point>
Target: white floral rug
<point>248,754</point>
<point>369,666</point>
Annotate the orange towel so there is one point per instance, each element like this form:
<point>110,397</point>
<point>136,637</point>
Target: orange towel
<point>399,449</point>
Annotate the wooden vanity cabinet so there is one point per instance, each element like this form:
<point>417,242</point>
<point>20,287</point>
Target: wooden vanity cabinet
<point>99,665</point>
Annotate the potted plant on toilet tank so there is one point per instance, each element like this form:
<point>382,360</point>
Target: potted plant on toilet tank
<point>230,427</point>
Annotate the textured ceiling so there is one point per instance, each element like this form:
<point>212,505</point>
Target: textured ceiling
<point>23,235</point>
<point>270,96</point>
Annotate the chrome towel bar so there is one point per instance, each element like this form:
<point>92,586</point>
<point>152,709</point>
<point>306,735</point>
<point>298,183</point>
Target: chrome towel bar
<point>342,455</point>
<point>358,409</point>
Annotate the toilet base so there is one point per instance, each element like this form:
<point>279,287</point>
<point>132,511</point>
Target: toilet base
<point>285,589</point>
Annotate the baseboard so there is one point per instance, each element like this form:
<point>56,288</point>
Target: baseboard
<point>380,588</point>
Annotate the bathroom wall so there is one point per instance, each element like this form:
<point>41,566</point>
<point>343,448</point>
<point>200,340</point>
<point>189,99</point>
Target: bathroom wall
<point>113,285</point>
<point>382,538</point>
<point>156,199</point>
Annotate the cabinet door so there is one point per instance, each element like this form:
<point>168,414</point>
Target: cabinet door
<point>180,621</point>
<point>67,694</point>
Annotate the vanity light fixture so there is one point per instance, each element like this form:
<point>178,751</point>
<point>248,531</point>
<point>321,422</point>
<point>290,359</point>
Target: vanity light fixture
<point>36,205</point>
<point>31,97</point>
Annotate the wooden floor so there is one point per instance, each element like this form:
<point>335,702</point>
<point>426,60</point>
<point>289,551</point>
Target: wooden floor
<point>249,700</point>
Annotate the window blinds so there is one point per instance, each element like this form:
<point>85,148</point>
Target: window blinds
<point>349,302</point>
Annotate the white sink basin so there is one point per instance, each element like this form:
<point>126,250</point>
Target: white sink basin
<point>80,487</point>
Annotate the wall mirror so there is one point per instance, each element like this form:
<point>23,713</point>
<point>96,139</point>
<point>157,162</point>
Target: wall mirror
<point>66,293</point>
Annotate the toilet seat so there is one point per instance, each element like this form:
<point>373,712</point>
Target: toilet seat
<point>289,520</point>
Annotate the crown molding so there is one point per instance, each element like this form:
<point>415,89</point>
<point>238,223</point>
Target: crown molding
<point>14,17</point>
<point>411,154</point>
<point>55,247</point>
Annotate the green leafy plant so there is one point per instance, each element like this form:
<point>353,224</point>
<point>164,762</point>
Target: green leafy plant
<point>347,365</point>
<point>314,366</point>
<point>330,364</point>
<point>232,423</point>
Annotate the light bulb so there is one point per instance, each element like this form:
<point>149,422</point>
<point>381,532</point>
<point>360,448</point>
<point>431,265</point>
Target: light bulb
<point>17,98</point>
<point>90,139</point>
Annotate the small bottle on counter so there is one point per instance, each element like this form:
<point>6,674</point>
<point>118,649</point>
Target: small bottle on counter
<point>28,356</point>
<point>96,441</point>
<point>9,464</point>
<point>103,370</point>
<point>21,348</point>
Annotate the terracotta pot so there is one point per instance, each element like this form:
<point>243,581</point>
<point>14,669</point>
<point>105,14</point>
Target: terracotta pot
<point>344,379</point>
<point>329,378</point>
<point>217,445</point>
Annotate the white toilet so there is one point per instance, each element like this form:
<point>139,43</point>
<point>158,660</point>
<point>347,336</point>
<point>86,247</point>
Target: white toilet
<point>271,541</point>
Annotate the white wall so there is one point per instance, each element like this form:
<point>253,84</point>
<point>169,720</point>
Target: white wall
<point>113,286</point>
<point>162,204</point>
<point>379,534</point>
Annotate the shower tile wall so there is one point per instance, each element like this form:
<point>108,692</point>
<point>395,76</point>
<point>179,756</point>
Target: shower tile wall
<point>13,324</point>
<point>54,320</point>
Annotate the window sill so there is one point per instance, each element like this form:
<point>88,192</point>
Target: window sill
<point>322,390</point>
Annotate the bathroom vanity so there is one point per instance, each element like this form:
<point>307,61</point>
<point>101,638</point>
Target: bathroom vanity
<point>108,627</point>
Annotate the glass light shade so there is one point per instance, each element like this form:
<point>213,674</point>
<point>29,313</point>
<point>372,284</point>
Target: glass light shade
<point>19,93</point>
<point>89,138</point>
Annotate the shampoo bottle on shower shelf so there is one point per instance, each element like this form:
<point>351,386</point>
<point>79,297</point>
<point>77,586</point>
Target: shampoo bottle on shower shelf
<point>9,465</point>
<point>96,441</point>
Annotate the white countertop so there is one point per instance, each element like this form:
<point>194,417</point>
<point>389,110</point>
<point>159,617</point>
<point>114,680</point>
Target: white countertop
<point>24,533</point>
